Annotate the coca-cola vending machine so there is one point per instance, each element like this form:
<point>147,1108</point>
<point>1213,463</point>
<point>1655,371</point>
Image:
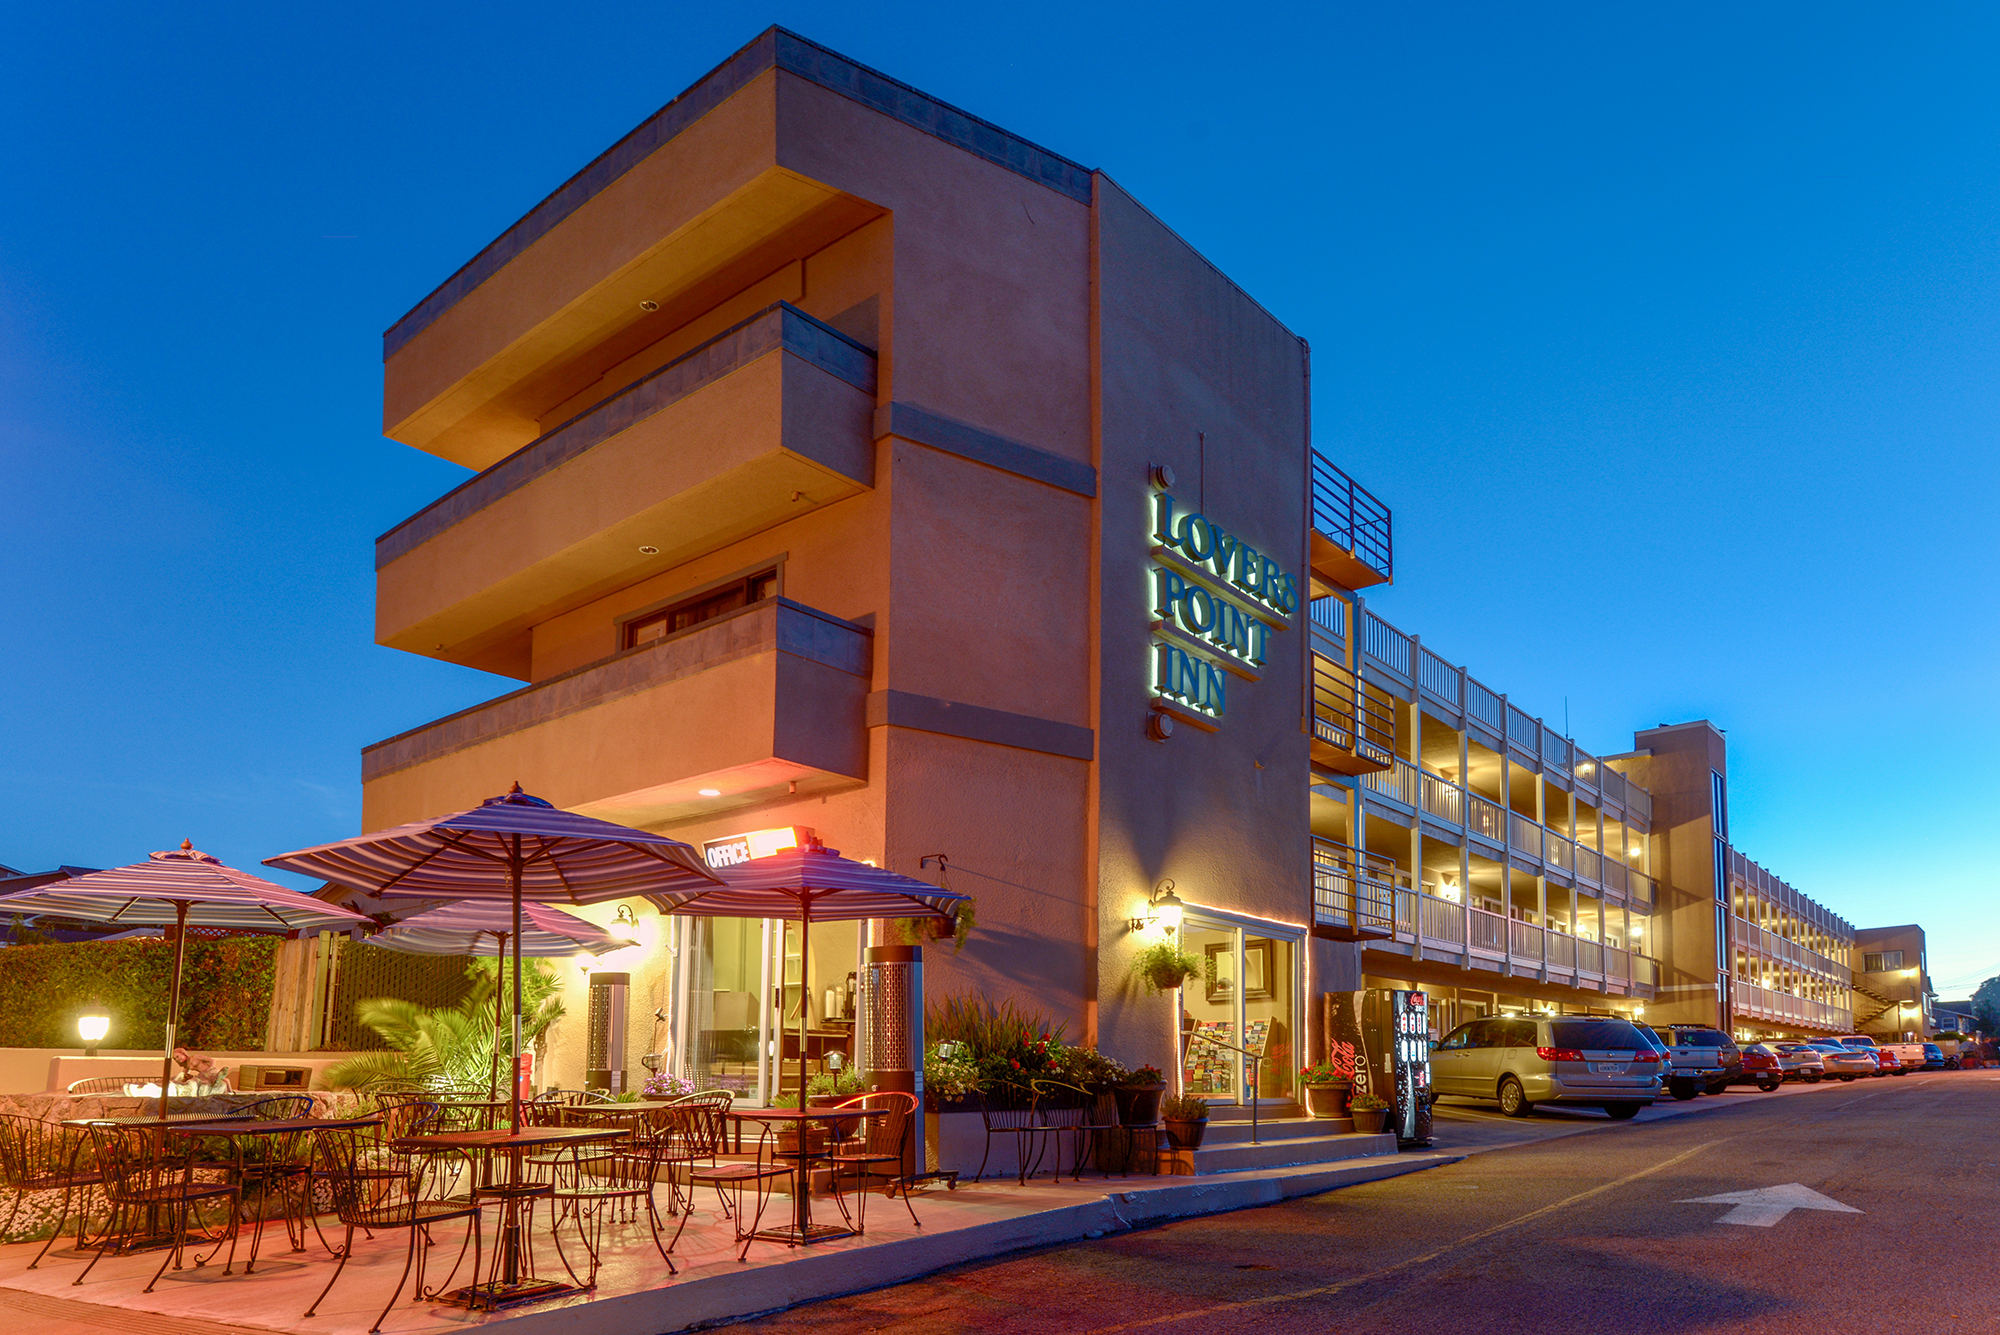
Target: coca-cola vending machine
<point>1386,1034</point>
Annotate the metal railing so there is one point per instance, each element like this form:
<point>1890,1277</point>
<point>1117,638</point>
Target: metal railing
<point>1583,767</point>
<point>1440,919</point>
<point>1443,799</point>
<point>1485,706</point>
<point>1349,715</point>
<point>1520,730</point>
<point>1486,819</point>
<point>1555,750</point>
<point>1438,677</point>
<point>1385,644</point>
<point>1612,784</point>
<point>1352,888</point>
<point>1397,783</point>
<point>1352,517</point>
<point>1330,615</point>
<point>1524,835</point>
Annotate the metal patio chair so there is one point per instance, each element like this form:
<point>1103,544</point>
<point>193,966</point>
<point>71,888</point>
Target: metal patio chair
<point>150,1184</point>
<point>761,1174</point>
<point>609,1182</point>
<point>1023,1123</point>
<point>879,1153</point>
<point>47,1156</point>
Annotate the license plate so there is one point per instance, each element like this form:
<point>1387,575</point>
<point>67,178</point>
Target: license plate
<point>1607,1068</point>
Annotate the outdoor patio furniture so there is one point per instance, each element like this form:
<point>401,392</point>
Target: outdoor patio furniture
<point>609,1183</point>
<point>692,1137</point>
<point>151,1187</point>
<point>47,1156</point>
<point>364,1200</point>
<point>1017,1116</point>
<point>282,1107</point>
<point>879,1153</point>
<point>270,1161</point>
<point>103,1084</point>
<point>377,1165</point>
<point>1075,1112</point>
<point>760,1175</point>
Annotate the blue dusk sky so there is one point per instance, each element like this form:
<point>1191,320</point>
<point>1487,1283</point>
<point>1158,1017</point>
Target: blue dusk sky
<point>1668,332</point>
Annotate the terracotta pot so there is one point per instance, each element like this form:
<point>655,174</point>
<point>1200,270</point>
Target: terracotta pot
<point>1139,1105</point>
<point>1329,1101</point>
<point>1368,1121</point>
<point>1166,980</point>
<point>1186,1135</point>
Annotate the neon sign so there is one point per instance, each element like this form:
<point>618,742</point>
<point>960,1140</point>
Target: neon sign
<point>1215,600</point>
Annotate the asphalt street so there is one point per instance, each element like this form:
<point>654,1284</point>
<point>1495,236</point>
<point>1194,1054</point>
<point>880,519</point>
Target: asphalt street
<point>1863,1207</point>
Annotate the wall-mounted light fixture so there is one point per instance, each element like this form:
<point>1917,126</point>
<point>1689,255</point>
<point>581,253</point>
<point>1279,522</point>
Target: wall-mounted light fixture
<point>91,1027</point>
<point>1162,908</point>
<point>625,917</point>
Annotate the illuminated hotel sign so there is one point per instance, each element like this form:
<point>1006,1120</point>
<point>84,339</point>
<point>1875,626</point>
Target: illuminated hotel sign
<point>735,848</point>
<point>1215,600</point>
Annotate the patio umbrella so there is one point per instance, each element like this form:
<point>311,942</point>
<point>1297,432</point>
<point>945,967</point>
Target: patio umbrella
<point>181,888</point>
<point>461,929</point>
<point>513,848</point>
<point>811,884</point>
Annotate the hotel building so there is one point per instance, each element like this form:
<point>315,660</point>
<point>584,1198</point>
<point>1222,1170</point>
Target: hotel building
<point>1892,982</point>
<point>1746,951</point>
<point>844,464</point>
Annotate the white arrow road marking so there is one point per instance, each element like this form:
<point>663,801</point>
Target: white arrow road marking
<point>1767,1205</point>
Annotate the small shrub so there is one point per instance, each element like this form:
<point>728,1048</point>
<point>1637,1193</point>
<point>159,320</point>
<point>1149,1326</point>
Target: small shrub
<point>1367,1103</point>
<point>1184,1108</point>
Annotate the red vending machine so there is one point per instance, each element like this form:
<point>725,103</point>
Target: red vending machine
<point>1388,1034</point>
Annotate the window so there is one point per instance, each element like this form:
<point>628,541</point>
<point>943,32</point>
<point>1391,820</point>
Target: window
<point>704,606</point>
<point>1719,793</point>
<point>1887,962</point>
<point>1722,870</point>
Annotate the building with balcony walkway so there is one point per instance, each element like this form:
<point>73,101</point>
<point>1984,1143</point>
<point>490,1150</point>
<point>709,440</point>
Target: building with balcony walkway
<point>1745,951</point>
<point>1463,845</point>
<point>1892,984</point>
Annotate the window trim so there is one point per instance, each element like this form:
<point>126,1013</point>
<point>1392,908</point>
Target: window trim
<point>622,625</point>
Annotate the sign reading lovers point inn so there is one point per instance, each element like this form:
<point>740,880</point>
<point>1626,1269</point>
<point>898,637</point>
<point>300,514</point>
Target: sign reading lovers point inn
<point>1215,600</point>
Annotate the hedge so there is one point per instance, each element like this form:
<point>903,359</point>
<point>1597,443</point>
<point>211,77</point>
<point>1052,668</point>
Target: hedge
<point>225,992</point>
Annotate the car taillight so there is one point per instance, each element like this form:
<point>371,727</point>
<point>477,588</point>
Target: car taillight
<point>1560,1054</point>
<point>1648,1056</point>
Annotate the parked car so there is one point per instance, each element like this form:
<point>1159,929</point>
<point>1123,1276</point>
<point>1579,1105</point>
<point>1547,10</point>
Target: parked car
<point>1800,1061</point>
<point>1703,1059</point>
<point>1934,1058</point>
<point>1844,1063</point>
<point>1575,1060</point>
<point>1760,1068</point>
<point>1890,1058</point>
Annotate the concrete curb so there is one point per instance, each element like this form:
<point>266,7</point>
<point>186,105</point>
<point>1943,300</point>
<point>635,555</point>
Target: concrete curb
<point>715,1299</point>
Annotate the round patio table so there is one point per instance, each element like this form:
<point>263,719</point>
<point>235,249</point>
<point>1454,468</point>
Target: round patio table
<point>802,1231</point>
<point>512,1279</point>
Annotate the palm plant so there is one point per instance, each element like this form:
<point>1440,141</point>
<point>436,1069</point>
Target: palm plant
<point>447,1047</point>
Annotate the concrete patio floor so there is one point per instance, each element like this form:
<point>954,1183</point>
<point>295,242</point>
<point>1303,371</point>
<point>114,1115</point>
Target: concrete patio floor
<point>635,1295</point>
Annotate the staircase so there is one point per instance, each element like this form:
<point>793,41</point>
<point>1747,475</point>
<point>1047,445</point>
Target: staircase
<point>1284,1138</point>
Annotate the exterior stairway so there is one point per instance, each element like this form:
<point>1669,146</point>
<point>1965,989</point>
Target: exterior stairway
<point>1284,1138</point>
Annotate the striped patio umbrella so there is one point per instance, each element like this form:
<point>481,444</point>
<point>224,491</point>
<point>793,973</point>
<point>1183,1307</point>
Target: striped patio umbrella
<point>180,888</point>
<point>512,848</point>
<point>463,928</point>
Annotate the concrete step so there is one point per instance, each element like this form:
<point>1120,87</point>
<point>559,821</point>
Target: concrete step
<point>1236,1158</point>
<point>1233,1132</point>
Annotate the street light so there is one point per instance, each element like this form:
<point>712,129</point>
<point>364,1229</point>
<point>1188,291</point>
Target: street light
<point>92,1026</point>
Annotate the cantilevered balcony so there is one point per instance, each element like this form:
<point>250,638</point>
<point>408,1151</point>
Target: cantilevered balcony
<point>1352,542</point>
<point>739,709</point>
<point>759,425</point>
<point>1444,928</point>
<point>1354,727</point>
<point>1353,893</point>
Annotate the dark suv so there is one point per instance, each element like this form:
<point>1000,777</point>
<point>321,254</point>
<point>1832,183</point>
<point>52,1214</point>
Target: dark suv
<point>1702,1060</point>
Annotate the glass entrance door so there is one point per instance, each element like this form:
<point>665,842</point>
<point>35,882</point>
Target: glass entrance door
<point>1241,1012</point>
<point>738,992</point>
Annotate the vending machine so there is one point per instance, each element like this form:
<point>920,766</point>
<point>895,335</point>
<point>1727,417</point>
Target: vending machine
<point>1386,1035</point>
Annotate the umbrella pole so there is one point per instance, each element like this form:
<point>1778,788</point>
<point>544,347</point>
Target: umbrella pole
<point>514,1076</point>
<point>499,1018</point>
<point>802,1210</point>
<point>173,1001</point>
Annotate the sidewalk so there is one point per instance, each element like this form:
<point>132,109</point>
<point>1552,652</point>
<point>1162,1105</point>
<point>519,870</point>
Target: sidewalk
<point>634,1291</point>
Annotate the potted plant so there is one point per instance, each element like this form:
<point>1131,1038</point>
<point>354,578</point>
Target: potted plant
<point>788,1137</point>
<point>1138,1096</point>
<point>662,1086</point>
<point>1369,1111</point>
<point>1164,966</point>
<point>1187,1120</point>
<point>1326,1087</point>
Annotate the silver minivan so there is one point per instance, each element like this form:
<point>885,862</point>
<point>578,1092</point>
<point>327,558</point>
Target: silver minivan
<point>1518,1061</point>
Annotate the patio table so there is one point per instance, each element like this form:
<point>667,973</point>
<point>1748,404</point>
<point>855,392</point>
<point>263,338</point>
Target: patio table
<point>802,1231</point>
<point>235,1129</point>
<point>512,1279</point>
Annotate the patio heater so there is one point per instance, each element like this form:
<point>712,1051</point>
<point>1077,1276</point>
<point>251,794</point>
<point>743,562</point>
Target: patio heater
<point>604,1066</point>
<point>893,996</point>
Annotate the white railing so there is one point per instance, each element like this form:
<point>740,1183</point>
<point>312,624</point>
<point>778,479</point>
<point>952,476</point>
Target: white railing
<point>1639,802</point>
<point>1642,889</point>
<point>1562,950</point>
<point>1560,852</point>
<point>1524,940</point>
<point>1406,916</point>
<point>1588,865</point>
<point>1583,767</point>
<point>1645,970</point>
<point>1484,706</point>
<point>1438,677</point>
<point>1612,784</point>
<point>1524,834</point>
<point>1330,615</point>
<point>1616,964</point>
<point>1589,956</point>
<point>1555,750</point>
<point>1614,874</point>
<point>1489,931</point>
<point>1398,784</point>
<point>1443,800</point>
<point>1484,818</point>
<point>1385,644</point>
<point>1520,729</point>
<point>1347,891</point>
<point>1440,920</point>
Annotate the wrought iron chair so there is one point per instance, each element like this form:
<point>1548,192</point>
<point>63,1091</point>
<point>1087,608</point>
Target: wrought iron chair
<point>280,1107</point>
<point>768,1168</point>
<point>1022,1122</point>
<point>151,1184</point>
<point>47,1156</point>
<point>378,1165</point>
<point>609,1182</point>
<point>879,1153</point>
<point>360,1201</point>
<point>1070,1110</point>
<point>692,1137</point>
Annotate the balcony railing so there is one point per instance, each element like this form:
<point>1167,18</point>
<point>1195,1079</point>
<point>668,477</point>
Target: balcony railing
<point>1352,890</point>
<point>1589,867</point>
<point>1330,615</point>
<point>1524,940</point>
<point>1560,852</point>
<point>1486,819</point>
<point>1398,783</point>
<point>1444,800</point>
<point>1489,931</point>
<point>1484,706</point>
<point>1440,919</point>
<point>1617,964</point>
<point>1351,516</point>
<point>1385,644</point>
<point>1524,835</point>
<point>1352,718</point>
<point>1645,971</point>
<point>1438,677</point>
<point>1614,875</point>
<point>1562,950</point>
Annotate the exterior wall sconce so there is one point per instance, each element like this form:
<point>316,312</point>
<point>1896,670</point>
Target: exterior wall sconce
<point>625,918</point>
<point>91,1027</point>
<point>1163,908</point>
